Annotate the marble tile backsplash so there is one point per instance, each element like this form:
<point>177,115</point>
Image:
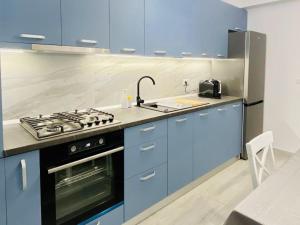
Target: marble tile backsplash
<point>37,83</point>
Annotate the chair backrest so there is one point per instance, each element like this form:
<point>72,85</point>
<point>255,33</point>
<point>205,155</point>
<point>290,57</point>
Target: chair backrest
<point>262,144</point>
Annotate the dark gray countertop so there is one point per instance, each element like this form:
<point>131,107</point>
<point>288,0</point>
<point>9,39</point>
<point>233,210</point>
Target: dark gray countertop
<point>17,140</point>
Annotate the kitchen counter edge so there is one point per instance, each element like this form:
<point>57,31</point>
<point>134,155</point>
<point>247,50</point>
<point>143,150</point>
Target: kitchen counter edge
<point>15,133</point>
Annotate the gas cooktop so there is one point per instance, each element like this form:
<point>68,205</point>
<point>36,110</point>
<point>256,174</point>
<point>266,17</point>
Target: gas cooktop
<point>63,123</point>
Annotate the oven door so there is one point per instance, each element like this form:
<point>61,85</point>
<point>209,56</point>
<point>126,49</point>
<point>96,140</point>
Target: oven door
<point>82,188</point>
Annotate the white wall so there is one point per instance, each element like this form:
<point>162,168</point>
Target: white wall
<point>281,22</point>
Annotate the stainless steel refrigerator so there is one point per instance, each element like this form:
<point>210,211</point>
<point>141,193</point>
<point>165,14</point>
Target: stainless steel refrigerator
<point>250,48</point>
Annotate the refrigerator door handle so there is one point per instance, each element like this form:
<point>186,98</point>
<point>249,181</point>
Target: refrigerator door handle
<point>253,103</point>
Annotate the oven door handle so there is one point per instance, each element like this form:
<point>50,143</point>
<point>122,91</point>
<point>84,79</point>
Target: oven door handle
<point>81,161</point>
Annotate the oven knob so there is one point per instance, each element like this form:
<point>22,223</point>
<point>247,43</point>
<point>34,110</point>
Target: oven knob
<point>111,119</point>
<point>101,141</point>
<point>73,148</point>
<point>90,124</point>
<point>97,122</point>
<point>104,121</point>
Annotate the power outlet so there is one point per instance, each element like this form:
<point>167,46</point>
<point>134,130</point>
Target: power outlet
<point>185,82</point>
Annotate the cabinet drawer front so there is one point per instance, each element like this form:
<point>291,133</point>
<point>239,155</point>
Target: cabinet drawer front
<point>144,190</point>
<point>145,156</point>
<point>144,133</point>
<point>114,217</point>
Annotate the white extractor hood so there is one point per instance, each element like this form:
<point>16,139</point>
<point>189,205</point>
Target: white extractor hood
<point>250,3</point>
<point>68,49</point>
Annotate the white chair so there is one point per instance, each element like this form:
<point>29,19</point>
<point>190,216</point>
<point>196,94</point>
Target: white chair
<point>262,145</point>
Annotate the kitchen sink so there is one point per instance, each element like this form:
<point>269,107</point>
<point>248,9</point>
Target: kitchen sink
<point>164,107</point>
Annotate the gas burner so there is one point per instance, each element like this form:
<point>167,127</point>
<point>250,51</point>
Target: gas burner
<point>53,128</point>
<point>57,124</point>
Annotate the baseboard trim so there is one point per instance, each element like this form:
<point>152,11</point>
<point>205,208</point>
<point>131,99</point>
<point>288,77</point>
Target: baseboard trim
<point>163,203</point>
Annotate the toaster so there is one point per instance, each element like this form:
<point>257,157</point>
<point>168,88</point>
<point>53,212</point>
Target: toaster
<point>210,89</point>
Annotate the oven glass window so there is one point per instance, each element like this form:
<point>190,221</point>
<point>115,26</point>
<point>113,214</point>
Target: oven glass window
<point>83,187</point>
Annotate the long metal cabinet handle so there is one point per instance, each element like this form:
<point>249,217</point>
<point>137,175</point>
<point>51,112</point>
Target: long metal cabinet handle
<point>220,56</point>
<point>145,149</point>
<point>203,114</point>
<point>33,36</point>
<point>128,50</point>
<point>204,54</point>
<point>159,52</point>
<point>145,178</point>
<point>181,120</point>
<point>221,109</point>
<point>24,174</point>
<point>236,106</point>
<point>86,41</point>
<point>81,161</point>
<point>187,54</point>
<point>148,129</point>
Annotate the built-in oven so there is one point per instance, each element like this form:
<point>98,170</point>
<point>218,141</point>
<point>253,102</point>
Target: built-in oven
<point>81,179</point>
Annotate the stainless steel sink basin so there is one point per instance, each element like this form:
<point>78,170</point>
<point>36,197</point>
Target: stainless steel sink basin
<point>163,108</point>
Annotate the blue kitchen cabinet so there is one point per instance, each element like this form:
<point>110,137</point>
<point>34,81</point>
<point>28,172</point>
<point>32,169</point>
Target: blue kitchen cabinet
<point>112,217</point>
<point>217,18</point>
<point>30,21</point>
<point>180,151</point>
<point>171,27</point>
<point>127,24</point>
<point>235,128</point>
<point>203,153</point>
<point>144,190</point>
<point>22,175</point>
<point>221,132</point>
<point>227,129</point>
<point>85,23</point>
<point>2,194</point>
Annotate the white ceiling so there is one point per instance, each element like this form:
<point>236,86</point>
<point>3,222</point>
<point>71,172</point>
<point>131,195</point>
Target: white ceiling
<point>249,3</point>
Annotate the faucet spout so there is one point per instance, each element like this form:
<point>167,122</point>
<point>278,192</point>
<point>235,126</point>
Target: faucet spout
<point>139,101</point>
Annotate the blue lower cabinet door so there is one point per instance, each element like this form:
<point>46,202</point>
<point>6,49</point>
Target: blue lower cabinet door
<point>22,174</point>
<point>180,152</point>
<point>2,194</point>
<point>144,190</point>
<point>30,21</point>
<point>203,156</point>
<point>235,126</point>
<point>113,217</point>
<point>85,23</point>
<point>220,127</point>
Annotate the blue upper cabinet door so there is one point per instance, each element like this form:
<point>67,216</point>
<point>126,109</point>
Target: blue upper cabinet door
<point>22,174</point>
<point>30,21</point>
<point>2,194</point>
<point>127,24</point>
<point>171,27</point>
<point>180,152</point>
<point>203,154</point>
<point>85,23</point>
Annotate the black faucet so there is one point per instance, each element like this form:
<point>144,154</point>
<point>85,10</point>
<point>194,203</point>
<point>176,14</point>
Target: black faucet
<point>139,101</point>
